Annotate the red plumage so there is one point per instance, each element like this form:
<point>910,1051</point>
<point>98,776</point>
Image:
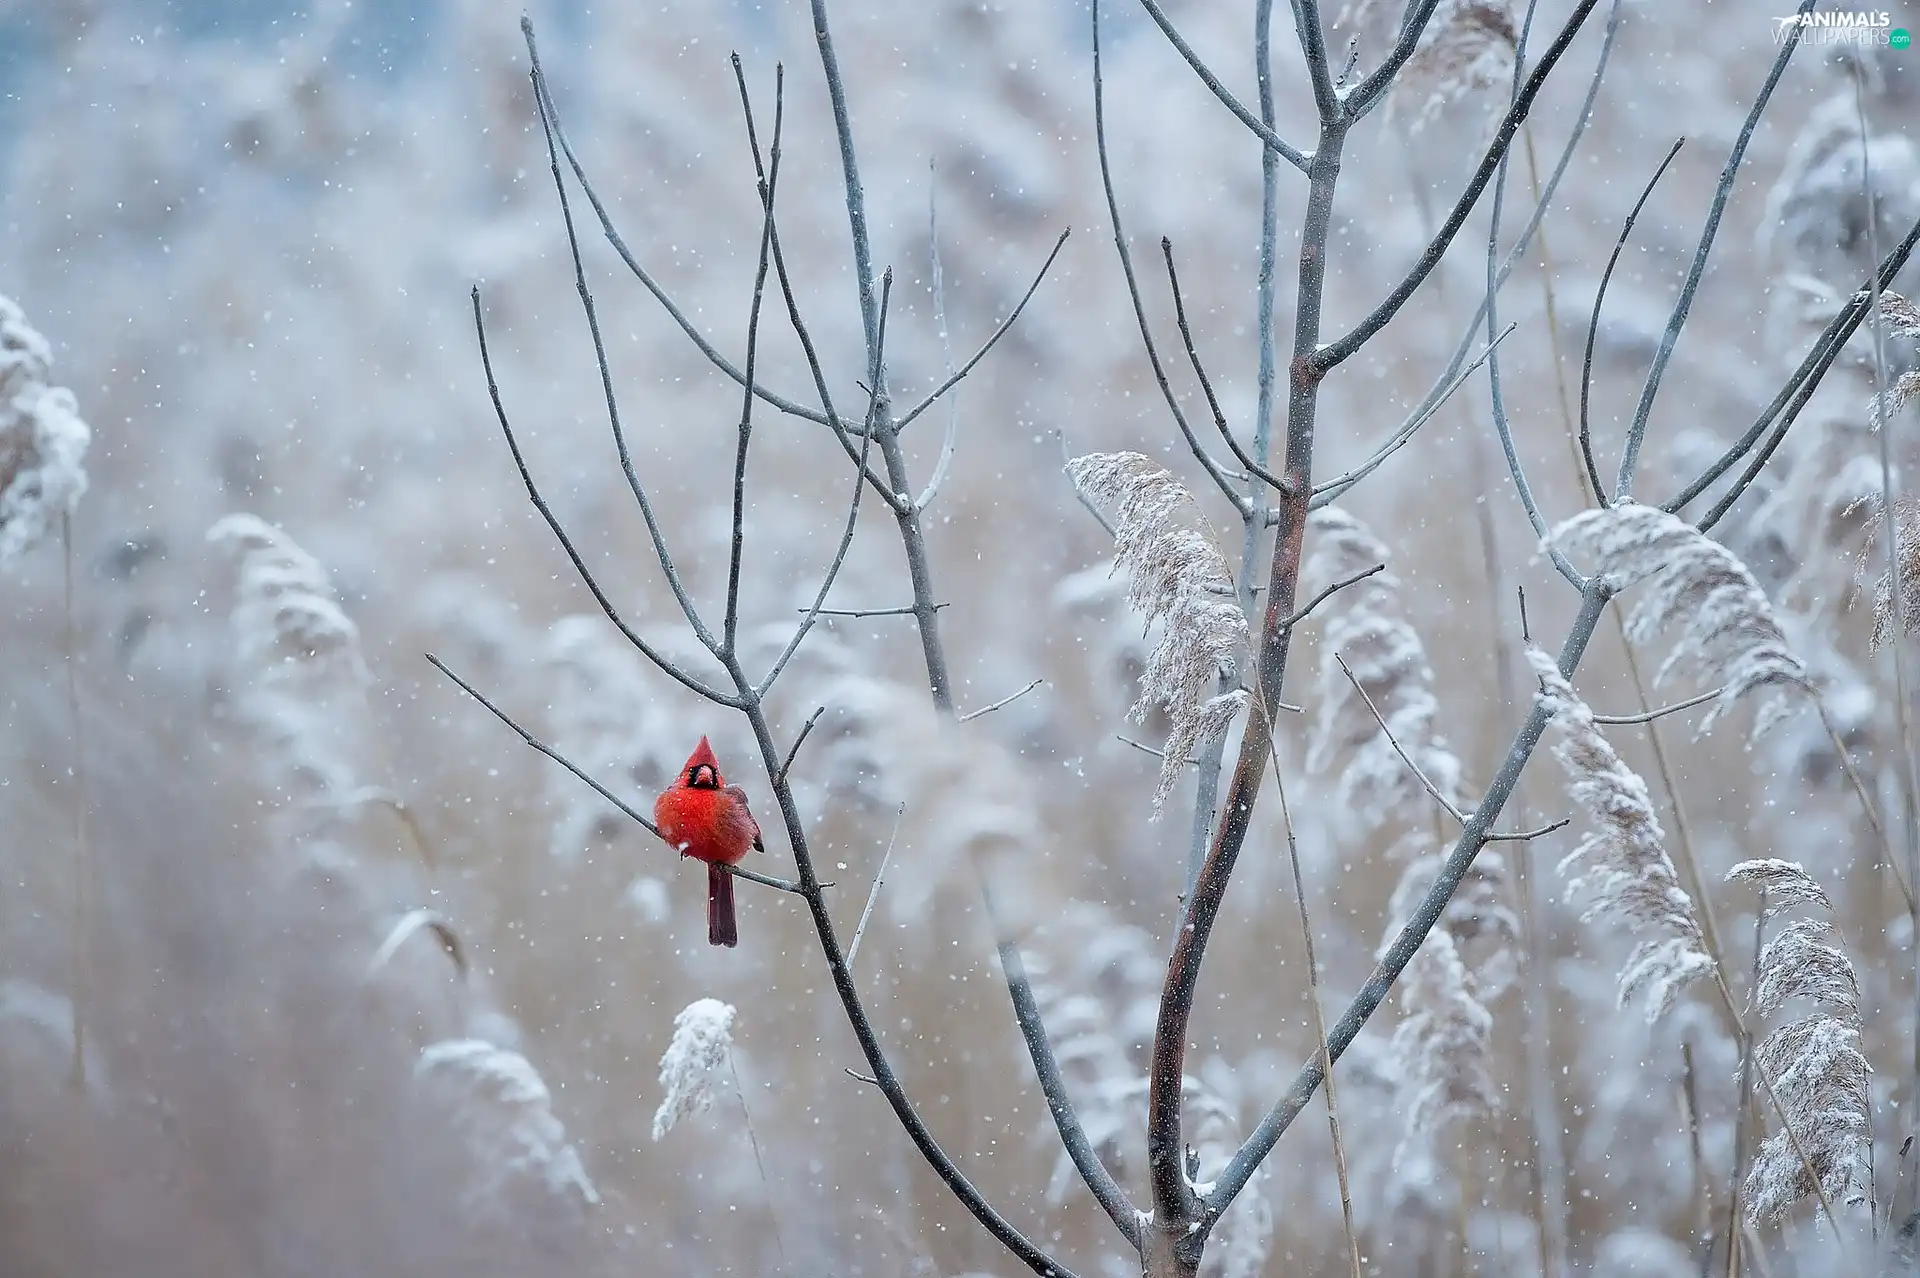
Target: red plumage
<point>707,819</point>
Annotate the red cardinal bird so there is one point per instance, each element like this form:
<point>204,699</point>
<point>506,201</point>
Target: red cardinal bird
<point>707,819</point>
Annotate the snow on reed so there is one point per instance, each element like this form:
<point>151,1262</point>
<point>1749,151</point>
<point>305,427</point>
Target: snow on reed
<point>689,1068</point>
<point>1625,877</point>
<point>43,442</point>
<point>507,1113</point>
<point>1729,633</point>
<point>1177,576</point>
<point>1816,1064</point>
<point>1366,625</point>
<point>1440,1046</point>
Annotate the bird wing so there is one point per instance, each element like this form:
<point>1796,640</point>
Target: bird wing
<point>734,791</point>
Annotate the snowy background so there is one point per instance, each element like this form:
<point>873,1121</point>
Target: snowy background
<point>248,231</point>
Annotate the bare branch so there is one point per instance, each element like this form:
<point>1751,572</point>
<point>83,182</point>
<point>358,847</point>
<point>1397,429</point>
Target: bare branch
<point>1313,46</point>
<point>1335,488</point>
<point>667,667</point>
<point>1426,783</point>
<point>1264,132</point>
<point>1207,463</point>
<point>1593,326</point>
<point>1334,353</point>
<point>786,764</point>
<point>1650,715</point>
<point>880,877</point>
<point>1005,325</point>
<point>706,348</point>
<point>1106,1191</point>
<point>1372,91</point>
<point>626,808</point>
<point>1329,593</point>
<point>1234,1177</point>
<point>904,610</point>
<point>654,531</point>
<point>853,518</point>
<point>1683,305</point>
<point>1004,701</point>
<point>767,189</point>
<point>1253,467</point>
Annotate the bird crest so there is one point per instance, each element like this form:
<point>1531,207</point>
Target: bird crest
<point>702,758</point>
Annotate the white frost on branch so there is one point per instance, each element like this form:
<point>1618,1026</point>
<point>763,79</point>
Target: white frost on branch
<point>1626,877</point>
<point>507,1112</point>
<point>1729,632</point>
<point>43,442</point>
<point>1176,576</point>
<point>702,1038</point>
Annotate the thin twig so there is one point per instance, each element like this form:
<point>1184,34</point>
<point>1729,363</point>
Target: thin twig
<point>1066,457</point>
<point>1332,354</point>
<point>880,877</point>
<point>1593,324</point>
<point>786,764</point>
<point>1798,388</point>
<point>1683,305</point>
<point>1337,487</point>
<point>860,473</point>
<point>1207,463</point>
<point>1004,701</point>
<point>954,378</point>
<point>1251,466</point>
<point>1046,1067</point>
<point>82,846</point>
<point>632,636</point>
<point>730,628</point>
<point>1301,615</point>
<point>1648,716</point>
<point>654,530</point>
<point>626,808</point>
<point>705,347</point>
<point>1426,783</point>
<point>1274,142</point>
<point>904,610</point>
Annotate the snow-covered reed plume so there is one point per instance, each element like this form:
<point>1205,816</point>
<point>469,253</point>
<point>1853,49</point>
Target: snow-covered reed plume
<point>1440,1047</point>
<point>1816,1065</point>
<point>690,1067</point>
<point>1817,212</point>
<point>1176,576</point>
<point>287,621</point>
<point>301,675</point>
<point>1096,981</point>
<point>1900,320</point>
<point>1366,625</point>
<point>1625,876</point>
<point>1889,623</point>
<point>1482,923</point>
<point>1730,633</point>
<point>1468,48</point>
<point>43,442</point>
<point>505,1109</point>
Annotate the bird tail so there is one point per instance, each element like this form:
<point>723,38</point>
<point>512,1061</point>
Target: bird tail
<point>722,927</point>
